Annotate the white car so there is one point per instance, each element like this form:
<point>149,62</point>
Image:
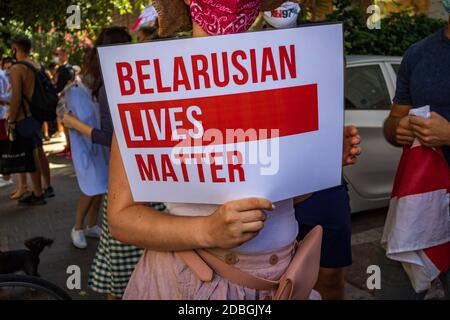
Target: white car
<point>369,90</point>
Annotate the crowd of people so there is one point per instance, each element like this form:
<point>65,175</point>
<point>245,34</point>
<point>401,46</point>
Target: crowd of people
<point>137,256</point>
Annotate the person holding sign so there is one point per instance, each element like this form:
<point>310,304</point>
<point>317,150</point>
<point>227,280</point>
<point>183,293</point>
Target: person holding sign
<point>240,232</point>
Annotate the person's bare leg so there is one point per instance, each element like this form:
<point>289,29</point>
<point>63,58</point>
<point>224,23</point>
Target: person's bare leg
<point>93,210</point>
<point>66,133</point>
<point>60,127</point>
<point>36,175</point>
<point>45,129</point>
<point>331,283</point>
<point>22,180</point>
<point>45,168</point>
<point>84,203</point>
<point>22,187</point>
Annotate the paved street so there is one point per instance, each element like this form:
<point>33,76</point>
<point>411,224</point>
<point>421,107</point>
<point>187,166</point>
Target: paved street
<point>56,219</point>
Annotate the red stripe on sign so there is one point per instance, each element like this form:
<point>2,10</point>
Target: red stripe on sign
<point>291,110</point>
<point>421,170</point>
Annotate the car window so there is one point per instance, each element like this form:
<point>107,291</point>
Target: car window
<point>396,67</point>
<point>366,89</point>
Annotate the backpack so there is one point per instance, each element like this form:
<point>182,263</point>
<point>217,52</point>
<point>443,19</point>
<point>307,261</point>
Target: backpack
<point>44,99</point>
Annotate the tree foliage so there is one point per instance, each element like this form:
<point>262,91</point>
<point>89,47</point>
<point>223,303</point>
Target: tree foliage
<point>45,22</point>
<point>398,30</point>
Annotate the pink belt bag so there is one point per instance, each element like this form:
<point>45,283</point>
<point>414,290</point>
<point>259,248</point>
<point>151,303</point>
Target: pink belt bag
<point>295,284</point>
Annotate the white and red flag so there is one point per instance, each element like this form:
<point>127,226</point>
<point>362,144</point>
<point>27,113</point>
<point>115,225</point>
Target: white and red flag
<point>146,18</point>
<point>417,229</point>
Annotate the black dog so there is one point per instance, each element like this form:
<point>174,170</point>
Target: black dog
<point>24,260</point>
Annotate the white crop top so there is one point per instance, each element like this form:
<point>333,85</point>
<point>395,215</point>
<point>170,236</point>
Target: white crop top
<point>280,228</point>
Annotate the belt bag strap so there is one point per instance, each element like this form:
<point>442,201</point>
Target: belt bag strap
<point>296,284</point>
<point>236,275</point>
<point>197,265</point>
<point>204,264</point>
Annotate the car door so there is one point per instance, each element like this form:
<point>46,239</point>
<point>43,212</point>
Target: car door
<point>369,91</point>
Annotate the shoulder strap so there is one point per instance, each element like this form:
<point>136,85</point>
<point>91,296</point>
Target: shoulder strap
<point>28,64</point>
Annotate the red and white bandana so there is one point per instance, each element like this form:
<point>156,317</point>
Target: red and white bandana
<point>217,17</point>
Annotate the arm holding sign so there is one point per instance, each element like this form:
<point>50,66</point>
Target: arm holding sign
<point>229,226</point>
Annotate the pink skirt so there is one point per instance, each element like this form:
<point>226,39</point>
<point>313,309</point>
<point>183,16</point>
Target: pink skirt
<point>163,275</point>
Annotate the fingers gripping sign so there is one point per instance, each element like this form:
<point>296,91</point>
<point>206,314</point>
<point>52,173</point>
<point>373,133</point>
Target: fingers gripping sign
<point>238,221</point>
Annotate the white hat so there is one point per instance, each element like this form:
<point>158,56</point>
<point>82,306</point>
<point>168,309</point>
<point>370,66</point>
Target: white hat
<point>285,16</point>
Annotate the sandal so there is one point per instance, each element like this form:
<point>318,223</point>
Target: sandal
<point>18,193</point>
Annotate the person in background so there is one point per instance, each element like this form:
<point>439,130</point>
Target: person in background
<point>7,63</point>
<point>20,118</point>
<point>77,70</point>
<point>423,79</point>
<point>147,33</point>
<point>329,208</point>
<point>65,74</point>
<point>5,88</point>
<point>51,72</point>
<point>88,206</point>
<point>52,68</point>
<point>5,98</point>
<point>5,91</point>
<point>114,261</point>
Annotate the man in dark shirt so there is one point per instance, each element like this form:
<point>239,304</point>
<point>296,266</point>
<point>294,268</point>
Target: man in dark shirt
<point>65,72</point>
<point>423,79</point>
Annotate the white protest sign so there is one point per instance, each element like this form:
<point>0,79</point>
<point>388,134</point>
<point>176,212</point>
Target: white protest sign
<point>213,119</point>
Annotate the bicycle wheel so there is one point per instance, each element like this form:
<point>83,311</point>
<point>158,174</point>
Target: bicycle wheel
<point>23,287</point>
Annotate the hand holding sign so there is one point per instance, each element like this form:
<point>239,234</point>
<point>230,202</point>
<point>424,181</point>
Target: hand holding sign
<point>236,222</point>
<point>351,151</point>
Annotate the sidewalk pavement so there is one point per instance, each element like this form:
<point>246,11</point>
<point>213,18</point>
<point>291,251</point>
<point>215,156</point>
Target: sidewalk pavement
<point>53,220</point>
<point>56,218</point>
